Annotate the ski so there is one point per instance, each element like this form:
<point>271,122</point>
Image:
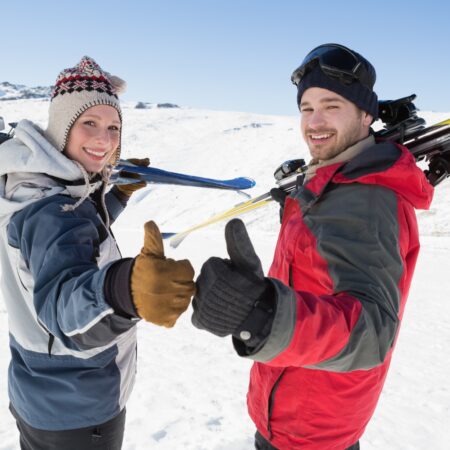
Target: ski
<point>402,125</point>
<point>430,144</point>
<point>241,208</point>
<point>435,137</point>
<point>159,176</point>
<point>287,184</point>
<point>433,146</point>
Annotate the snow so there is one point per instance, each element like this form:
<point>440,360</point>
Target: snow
<point>190,388</point>
<point>9,91</point>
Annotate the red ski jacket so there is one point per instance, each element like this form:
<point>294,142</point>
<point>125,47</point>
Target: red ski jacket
<point>342,269</point>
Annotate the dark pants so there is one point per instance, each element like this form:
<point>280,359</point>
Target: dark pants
<point>262,444</point>
<point>106,436</point>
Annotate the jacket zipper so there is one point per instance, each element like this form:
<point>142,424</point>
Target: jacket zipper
<point>277,382</point>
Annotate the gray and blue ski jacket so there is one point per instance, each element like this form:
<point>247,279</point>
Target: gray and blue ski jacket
<point>73,351</point>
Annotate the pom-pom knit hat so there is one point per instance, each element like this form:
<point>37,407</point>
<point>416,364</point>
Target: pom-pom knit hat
<point>76,90</point>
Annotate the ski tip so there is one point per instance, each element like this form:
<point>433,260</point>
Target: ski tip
<point>177,240</point>
<point>167,235</point>
<point>244,182</point>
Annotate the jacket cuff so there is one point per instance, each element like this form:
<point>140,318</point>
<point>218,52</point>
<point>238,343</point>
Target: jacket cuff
<point>255,329</point>
<point>117,288</point>
<point>282,326</point>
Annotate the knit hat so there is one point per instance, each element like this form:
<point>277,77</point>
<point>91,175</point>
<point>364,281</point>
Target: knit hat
<point>76,90</point>
<point>362,96</point>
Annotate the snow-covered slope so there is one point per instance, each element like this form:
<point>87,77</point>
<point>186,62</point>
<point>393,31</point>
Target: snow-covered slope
<point>9,91</point>
<point>190,391</point>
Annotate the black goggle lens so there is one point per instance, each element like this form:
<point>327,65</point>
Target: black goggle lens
<point>335,61</point>
<point>334,57</point>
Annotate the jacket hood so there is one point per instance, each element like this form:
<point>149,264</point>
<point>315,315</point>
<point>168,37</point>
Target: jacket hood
<point>392,166</point>
<point>28,163</point>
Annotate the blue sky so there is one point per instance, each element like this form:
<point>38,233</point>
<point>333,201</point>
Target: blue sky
<point>227,54</point>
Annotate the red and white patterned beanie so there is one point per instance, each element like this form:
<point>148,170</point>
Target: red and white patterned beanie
<point>76,90</point>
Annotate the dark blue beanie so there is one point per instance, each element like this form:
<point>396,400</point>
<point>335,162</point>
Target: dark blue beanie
<point>363,97</point>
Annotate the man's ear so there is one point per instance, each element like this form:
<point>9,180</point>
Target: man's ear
<point>367,119</point>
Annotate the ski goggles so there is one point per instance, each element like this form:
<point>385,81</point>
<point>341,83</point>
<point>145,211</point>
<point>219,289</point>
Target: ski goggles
<point>335,61</point>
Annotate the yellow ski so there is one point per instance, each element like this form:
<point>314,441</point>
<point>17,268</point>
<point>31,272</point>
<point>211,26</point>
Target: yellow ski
<point>241,208</point>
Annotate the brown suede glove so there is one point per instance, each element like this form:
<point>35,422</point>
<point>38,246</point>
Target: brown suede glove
<point>161,287</point>
<point>128,189</point>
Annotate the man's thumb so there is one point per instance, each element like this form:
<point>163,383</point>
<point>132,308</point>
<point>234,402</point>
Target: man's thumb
<point>240,248</point>
<point>153,244</point>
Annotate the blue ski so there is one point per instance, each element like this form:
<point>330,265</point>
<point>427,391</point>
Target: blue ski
<point>159,176</point>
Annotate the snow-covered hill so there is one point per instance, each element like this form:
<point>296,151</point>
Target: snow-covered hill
<point>9,91</point>
<point>190,391</point>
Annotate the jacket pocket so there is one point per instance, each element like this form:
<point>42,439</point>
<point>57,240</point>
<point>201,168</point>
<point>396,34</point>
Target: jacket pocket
<point>272,400</point>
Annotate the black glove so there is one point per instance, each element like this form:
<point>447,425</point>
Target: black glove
<point>279,196</point>
<point>229,290</point>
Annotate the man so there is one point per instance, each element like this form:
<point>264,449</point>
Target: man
<point>322,327</point>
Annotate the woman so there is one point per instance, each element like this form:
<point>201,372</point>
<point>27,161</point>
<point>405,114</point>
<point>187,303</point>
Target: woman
<point>72,301</point>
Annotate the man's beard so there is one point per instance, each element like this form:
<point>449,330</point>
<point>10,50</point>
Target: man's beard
<point>344,140</point>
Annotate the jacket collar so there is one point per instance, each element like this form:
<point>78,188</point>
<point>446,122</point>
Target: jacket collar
<point>344,156</point>
<point>384,164</point>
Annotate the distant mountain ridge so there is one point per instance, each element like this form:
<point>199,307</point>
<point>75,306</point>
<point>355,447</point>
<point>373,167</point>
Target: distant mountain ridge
<point>10,91</point>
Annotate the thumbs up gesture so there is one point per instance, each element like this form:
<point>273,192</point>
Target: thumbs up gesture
<point>161,287</point>
<point>229,289</point>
